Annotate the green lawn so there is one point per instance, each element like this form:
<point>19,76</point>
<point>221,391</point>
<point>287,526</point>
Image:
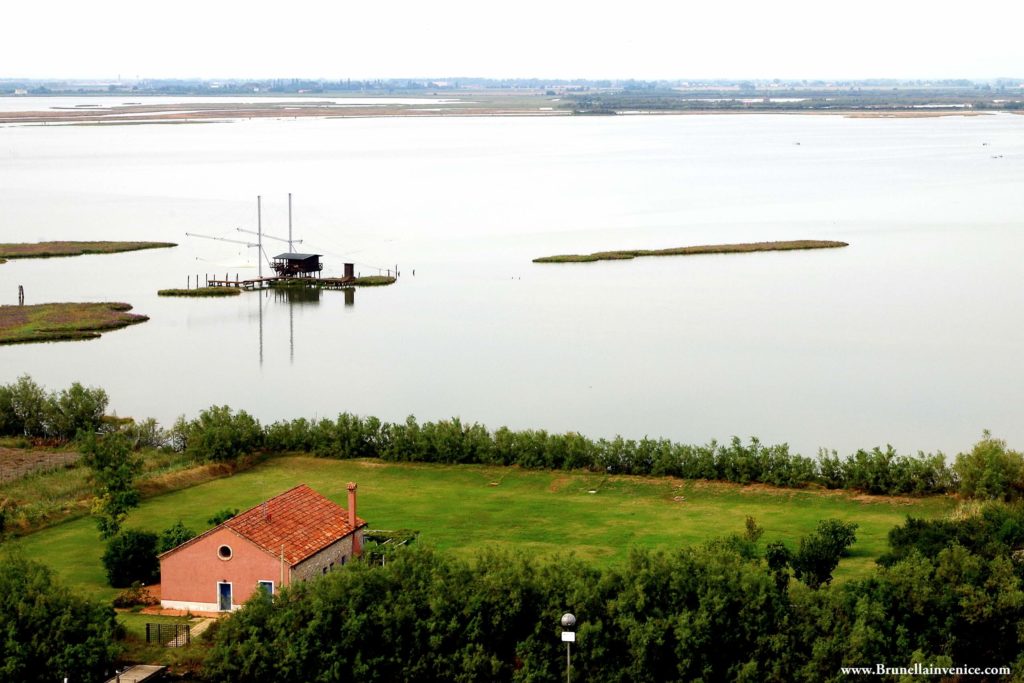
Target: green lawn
<point>463,508</point>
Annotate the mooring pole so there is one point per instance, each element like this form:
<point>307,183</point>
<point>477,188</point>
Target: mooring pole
<point>21,295</point>
<point>291,249</point>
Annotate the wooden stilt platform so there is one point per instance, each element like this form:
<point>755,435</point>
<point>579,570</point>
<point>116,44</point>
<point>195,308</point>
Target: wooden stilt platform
<point>262,282</point>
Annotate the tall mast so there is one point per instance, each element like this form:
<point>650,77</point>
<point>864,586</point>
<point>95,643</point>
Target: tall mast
<point>290,248</point>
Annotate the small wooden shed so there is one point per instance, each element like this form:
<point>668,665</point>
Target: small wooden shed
<point>298,265</point>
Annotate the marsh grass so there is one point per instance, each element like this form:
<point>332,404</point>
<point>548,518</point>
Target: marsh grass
<point>201,292</point>
<point>373,281</point>
<point>44,498</point>
<point>63,321</point>
<point>746,247</point>
<point>12,250</point>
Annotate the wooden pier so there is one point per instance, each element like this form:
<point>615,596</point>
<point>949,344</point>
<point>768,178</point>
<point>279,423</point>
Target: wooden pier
<point>262,282</point>
<point>137,673</point>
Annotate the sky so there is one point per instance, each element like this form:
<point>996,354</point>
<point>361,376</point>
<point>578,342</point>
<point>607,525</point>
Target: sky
<point>643,39</point>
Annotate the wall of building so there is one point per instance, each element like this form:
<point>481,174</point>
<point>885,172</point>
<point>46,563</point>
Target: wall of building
<point>189,577</point>
<point>333,555</point>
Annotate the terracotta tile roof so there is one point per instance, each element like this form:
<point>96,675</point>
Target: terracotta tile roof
<point>300,520</point>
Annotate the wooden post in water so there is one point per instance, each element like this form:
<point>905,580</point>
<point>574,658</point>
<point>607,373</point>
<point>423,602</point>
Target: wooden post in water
<point>21,295</point>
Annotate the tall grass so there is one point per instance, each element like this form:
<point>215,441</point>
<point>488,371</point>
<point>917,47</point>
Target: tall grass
<point>44,498</point>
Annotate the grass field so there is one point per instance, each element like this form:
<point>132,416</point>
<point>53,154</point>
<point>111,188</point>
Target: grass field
<point>746,247</point>
<point>464,508</point>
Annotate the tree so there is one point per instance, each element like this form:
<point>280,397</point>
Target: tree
<point>990,470</point>
<point>76,409</point>
<point>130,557</point>
<point>174,536</point>
<point>23,408</point>
<point>114,468</point>
<point>219,434</point>
<point>819,552</point>
<point>46,632</point>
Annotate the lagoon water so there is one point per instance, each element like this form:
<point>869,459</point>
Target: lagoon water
<point>911,336</point>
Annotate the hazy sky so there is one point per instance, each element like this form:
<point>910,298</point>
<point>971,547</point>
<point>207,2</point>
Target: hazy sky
<point>517,38</point>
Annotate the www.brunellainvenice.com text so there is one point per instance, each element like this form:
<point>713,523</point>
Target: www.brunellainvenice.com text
<point>919,669</point>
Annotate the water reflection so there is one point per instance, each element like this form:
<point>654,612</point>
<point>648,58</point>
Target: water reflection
<point>297,294</point>
<point>294,296</point>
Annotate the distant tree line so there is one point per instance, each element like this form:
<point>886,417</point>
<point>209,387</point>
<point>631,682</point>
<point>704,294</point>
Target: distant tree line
<point>725,610</point>
<point>751,98</point>
<point>989,471</point>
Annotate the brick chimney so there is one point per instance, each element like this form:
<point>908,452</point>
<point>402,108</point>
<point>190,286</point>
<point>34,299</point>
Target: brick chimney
<point>357,549</point>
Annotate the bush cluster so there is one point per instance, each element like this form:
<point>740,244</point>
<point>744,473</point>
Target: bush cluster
<point>990,470</point>
<point>26,409</point>
<point>131,556</point>
<point>719,611</point>
<point>218,434</point>
<point>48,633</point>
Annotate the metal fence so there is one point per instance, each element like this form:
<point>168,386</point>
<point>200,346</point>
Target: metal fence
<point>171,635</point>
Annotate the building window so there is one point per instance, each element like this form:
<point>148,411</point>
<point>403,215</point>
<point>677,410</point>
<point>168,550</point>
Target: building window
<point>266,586</point>
<point>224,552</point>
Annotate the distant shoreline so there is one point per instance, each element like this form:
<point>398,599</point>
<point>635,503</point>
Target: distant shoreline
<point>744,247</point>
<point>197,111</point>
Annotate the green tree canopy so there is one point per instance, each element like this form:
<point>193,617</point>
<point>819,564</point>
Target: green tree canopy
<point>46,633</point>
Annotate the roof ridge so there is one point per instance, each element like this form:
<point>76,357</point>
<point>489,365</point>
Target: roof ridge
<point>301,519</point>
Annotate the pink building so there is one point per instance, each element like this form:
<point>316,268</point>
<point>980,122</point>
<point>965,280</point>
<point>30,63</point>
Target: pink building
<point>291,537</point>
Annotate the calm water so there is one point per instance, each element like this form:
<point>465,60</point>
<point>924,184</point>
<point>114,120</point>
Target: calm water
<point>912,335</point>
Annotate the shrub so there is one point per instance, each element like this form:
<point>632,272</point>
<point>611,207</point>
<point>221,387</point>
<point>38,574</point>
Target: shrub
<point>220,434</point>
<point>990,470</point>
<point>222,516</point>
<point>136,594</point>
<point>130,557</point>
<point>48,633</point>
<point>26,408</point>
<point>819,552</point>
<point>76,409</point>
<point>113,468</point>
<point>146,434</point>
<point>174,536</point>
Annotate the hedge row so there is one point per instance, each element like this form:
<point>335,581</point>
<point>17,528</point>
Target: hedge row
<point>219,433</point>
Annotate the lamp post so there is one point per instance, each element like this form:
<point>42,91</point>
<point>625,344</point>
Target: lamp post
<point>568,621</point>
